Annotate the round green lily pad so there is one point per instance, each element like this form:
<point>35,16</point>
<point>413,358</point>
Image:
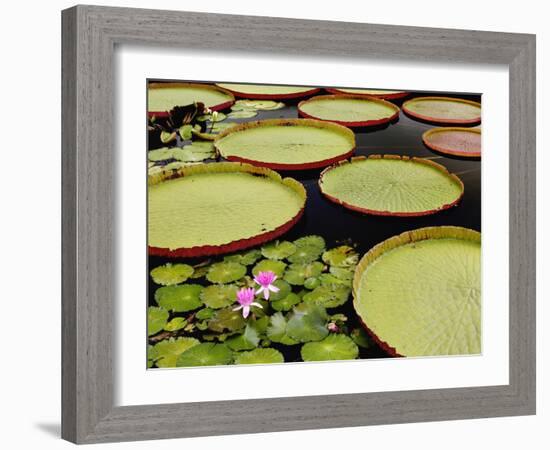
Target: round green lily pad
<point>334,347</point>
<point>286,303</point>
<point>219,296</point>
<point>312,283</point>
<point>443,110</point>
<point>268,92</point>
<point>392,185</point>
<point>287,144</point>
<point>342,256</point>
<point>244,114</point>
<point>169,274</point>
<point>190,153</point>
<point>278,249</point>
<point>308,249</point>
<point>206,354</point>
<point>248,340</point>
<point>168,351</point>
<point>225,272</point>
<point>328,295</point>
<point>277,330</point>
<point>226,320</point>
<point>349,110</point>
<point>284,290</point>
<point>180,298</point>
<point>260,356</point>
<point>298,273</point>
<point>269,265</point>
<point>162,97</point>
<point>308,322</point>
<point>246,258</point>
<point>210,209</point>
<point>419,292</point>
<point>177,323</point>
<point>156,319</point>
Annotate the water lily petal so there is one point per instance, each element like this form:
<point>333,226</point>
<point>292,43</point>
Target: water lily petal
<point>246,311</point>
<point>257,304</point>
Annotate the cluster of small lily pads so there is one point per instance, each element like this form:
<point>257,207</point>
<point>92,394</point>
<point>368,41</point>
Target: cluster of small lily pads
<point>245,308</point>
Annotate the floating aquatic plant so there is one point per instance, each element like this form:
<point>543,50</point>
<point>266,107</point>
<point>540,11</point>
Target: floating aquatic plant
<point>166,352</point>
<point>343,256</point>
<point>206,354</point>
<point>328,295</point>
<point>298,273</point>
<point>180,298</point>
<point>269,265</point>
<point>156,319</point>
<point>245,298</point>
<point>260,356</point>
<point>170,274</point>
<point>218,296</point>
<point>265,280</point>
<point>333,347</point>
<point>286,303</point>
<point>225,272</point>
<point>177,323</point>
<point>248,340</point>
<point>246,258</point>
<point>308,322</point>
<point>278,249</point>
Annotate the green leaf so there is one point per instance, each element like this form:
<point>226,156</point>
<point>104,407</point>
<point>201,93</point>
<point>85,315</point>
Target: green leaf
<point>151,356</point>
<point>284,290</point>
<point>219,296</point>
<point>206,354</point>
<point>278,249</point>
<point>265,265</point>
<point>226,319</point>
<point>276,331</point>
<point>286,303</point>
<point>200,270</point>
<point>246,341</point>
<point>168,351</point>
<point>328,279</point>
<point>308,322</point>
<point>177,323</point>
<point>167,137</point>
<point>334,347</point>
<point>204,314</point>
<point>361,338</point>
<point>208,117</point>
<point>245,258</point>
<point>312,283</point>
<point>343,256</point>
<point>180,298</point>
<point>328,296</point>
<point>225,272</point>
<point>308,249</point>
<point>314,241</point>
<point>186,132</point>
<point>297,273</point>
<point>170,274</point>
<point>244,114</point>
<point>343,273</point>
<point>156,319</point>
<point>260,356</point>
<point>219,127</point>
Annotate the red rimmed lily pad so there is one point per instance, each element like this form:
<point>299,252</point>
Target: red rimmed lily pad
<point>268,92</point>
<point>454,141</point>
<point>378,93</point>
<point>162,97</point>
<point>349,110</point>
<point>444,110</point>
<point>391,185</point>
<point>419,293</point>
<point>287,144</point>
<point>218,208</point>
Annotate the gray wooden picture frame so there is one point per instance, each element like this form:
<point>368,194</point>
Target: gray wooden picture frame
<point>90,34</point>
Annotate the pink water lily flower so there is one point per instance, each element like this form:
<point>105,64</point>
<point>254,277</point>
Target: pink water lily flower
<point>245,297</point>
<point>265,280</point>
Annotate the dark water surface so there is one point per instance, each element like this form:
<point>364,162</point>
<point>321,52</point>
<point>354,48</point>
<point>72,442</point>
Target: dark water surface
<point>337,224</point>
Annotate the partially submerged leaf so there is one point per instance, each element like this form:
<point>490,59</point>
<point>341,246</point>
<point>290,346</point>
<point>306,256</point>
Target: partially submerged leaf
<point>170,274</point>
<point>308,249</point>
<point>260,356</point>
<point>180,298</point>
<point>206,354</point>
<point>168,351</point>
<point>156,319</point>
<point>225,272</point>
<point>332,348</point>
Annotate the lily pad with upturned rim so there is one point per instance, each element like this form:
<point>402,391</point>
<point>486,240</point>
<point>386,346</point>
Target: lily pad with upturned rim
<point>169,274</point>
<point>287,144</point>
<point>179,298</point>
<point>334,347</point>
<point>454,141</point>
<point>384,94</point>
<point>208,209</point>
<point>268,92</point>
<point>419,293</point>
<point>391,185</point>
<point>162,97</point>
<point>349,110</point>
<point>444,110</point>
<point>260,356</point>
<point>205,354</point>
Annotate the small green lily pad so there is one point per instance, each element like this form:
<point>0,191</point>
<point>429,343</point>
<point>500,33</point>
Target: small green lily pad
<point>286,303</point>
<point>278,249</point>
<point>277,330</point>
<point>260,356</point>
<point>220,117</point>
<point>334,347</point>
<point>218,296</point>
<point>308,249</point>
<point>344,274</point>
<point>284,290</point>
<point>168,351</point>
<point>343,256</point>
<point>308,322</point>
<point>225,272</point>
<point>329,295</point>
<point>170,274</point>
<point>206,354</point>
<point>246,258</point>
<point>177,323</point>
<point>180,298</point>
<point>205,313</point>
<point>243,114</point>
<point>156,319</point>
<point>266,265</point>
<point>312,283</point>
<point>248,340</point>
<point>298,273</point>
<point>226,319</point>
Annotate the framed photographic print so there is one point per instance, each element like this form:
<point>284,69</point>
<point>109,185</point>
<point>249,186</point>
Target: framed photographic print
<point>260,224</point>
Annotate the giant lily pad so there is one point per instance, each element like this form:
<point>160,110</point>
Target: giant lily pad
<point>168,351</point>
<point>218,296</point>
<point>162,97</point>
<point>219,208</point>
<point>378,93</point>
<point>207,354</point>
<point>169,274</point>
<point>332,348</point>
<point>454,141</point>
<point>268,92</point>
<point>260,356</point>
<point>443,110</point>
<point>180,298</point>
<point>391,185</point>
<point>419,293</point>
<point>349,110</point>
<point>287,144</point>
